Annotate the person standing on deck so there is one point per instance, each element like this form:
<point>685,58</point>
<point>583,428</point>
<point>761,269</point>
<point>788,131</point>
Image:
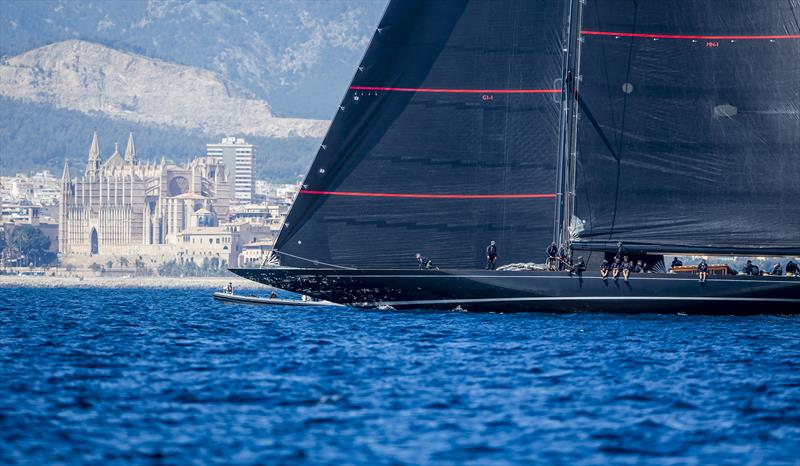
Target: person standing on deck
<point>702,270</point>
<point>620,251</point>
<point>579,267</point>
<point>562,256</point>
<point>491,256</point>
<point>552,252</point>
<point>424,263</point>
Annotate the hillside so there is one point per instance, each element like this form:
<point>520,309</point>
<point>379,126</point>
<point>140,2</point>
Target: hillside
<point>298,55</point>
<point>91,78</point>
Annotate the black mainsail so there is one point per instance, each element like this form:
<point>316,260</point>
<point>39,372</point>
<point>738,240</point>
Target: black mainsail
<point>447,138</point>
<point>689,133</point>
<point>670,126</point>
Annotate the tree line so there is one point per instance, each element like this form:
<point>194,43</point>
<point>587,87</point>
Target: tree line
<point>26,245</point>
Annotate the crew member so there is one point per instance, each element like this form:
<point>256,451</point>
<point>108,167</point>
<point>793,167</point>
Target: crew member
<point>676,263</point>
<point>627,267</point>
<point>579,267</point>
<point>750,269</point>
<point>424,263</point>
<point>562,256</point>
<point>491,256</point>
<point>639,267</point>
<point>229,288</point>
<point>552,252</point>
<point>604,267</point>
<point>273,295</point>
<point>702,270</point>
<point>616,267</point>
<point>620,251</point>
<point>777,270</point>
<point>791,269</point>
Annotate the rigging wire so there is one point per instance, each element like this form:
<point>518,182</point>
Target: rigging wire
<point>275,251</point>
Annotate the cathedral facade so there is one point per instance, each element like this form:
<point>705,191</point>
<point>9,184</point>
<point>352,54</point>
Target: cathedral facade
<point>121,205</point>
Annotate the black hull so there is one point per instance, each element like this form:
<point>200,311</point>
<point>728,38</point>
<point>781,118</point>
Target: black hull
<point>496,291</point>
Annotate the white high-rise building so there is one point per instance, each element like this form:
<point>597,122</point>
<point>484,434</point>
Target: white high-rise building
<point>239,157</point>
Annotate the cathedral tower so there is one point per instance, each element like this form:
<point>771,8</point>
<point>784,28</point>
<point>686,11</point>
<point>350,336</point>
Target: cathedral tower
<point>130,151</point>
<point>93,166</point>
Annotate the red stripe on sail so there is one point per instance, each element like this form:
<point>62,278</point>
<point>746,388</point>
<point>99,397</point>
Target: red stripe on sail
<point>428,196</point>
<point>675,36</point>
<point>456,91</point>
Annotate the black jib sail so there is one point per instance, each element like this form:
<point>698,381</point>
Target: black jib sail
<point>689,133</point>
<point>447,138</point>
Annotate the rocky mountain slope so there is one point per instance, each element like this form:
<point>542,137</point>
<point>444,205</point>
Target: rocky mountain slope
<point>91,78</point>
<point>298,55</point>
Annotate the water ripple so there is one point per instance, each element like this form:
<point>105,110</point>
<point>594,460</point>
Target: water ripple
<point>171,376</point>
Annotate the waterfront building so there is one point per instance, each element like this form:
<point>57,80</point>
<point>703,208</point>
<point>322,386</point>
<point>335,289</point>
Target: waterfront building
<point>218,242</point>
<point>253,254</point>
<point>227,242</point>
<point>239,157</point>
<point>122,206</point>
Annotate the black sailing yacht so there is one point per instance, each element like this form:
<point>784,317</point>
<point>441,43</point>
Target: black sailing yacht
<point>672,130</point>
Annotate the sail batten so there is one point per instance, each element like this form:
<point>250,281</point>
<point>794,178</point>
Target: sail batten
<point>429,196</point>
<point>690,36</point>
<point>456,91</point>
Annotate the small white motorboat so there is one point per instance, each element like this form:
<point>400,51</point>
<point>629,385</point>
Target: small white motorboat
<point>253,299</point>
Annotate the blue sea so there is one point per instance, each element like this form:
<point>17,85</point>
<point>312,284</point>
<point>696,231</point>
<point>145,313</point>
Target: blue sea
<point>169,376</point>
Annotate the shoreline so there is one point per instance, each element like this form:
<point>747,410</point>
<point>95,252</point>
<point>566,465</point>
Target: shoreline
<point>126,282</point>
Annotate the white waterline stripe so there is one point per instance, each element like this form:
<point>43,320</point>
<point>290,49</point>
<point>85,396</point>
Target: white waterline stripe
<point>584,298</point>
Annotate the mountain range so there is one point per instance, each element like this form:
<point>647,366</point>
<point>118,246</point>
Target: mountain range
<point>178,74</point>
<point>87,77</point>
<point>298,55</point>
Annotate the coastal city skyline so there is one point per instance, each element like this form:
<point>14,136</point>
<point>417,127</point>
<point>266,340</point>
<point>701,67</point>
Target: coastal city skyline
<point>150,211</point>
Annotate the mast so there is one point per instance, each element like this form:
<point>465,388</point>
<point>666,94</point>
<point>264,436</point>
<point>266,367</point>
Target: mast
<point>569,122</point>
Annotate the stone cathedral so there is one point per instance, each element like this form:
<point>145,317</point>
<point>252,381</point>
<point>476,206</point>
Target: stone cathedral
<point>121,205</point>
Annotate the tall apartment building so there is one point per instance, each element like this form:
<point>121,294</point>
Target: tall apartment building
<point>239,158</point>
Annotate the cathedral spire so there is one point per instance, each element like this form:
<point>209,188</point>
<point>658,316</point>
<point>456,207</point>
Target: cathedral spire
<point>65,175</point>
<point>94,156</point>
<point>94,150</point>
<point>130,150</point>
